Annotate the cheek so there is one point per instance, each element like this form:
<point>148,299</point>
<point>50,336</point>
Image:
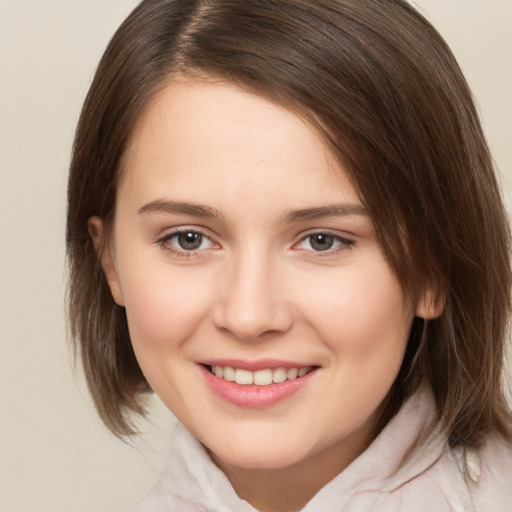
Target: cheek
<point>163,307</point>
<point>361,315</point>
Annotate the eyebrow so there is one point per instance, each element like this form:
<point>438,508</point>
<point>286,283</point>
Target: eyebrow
<point>335,210</point>
<point>200,210</point>
<point>180,207</point>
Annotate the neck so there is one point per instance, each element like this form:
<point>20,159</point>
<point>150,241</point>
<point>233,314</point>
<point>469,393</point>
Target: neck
<point>292,487</point>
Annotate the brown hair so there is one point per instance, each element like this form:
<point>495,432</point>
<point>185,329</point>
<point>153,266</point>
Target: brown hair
<point>383,87</point>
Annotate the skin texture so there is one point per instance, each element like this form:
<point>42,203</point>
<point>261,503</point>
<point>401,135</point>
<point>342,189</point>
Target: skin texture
<point>255,288</point>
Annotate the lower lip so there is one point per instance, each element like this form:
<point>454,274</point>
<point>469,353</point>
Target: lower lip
<point>253,396</point>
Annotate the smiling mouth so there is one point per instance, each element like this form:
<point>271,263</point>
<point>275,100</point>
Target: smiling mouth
<point>264,377</point>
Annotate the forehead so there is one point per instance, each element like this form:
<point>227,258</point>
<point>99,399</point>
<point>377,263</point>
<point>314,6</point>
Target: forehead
<point>206,140</point>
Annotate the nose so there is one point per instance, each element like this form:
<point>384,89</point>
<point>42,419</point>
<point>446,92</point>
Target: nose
<point>252,302</point>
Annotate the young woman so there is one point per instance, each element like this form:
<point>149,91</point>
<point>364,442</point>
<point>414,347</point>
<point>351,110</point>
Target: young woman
<point>284,220</point>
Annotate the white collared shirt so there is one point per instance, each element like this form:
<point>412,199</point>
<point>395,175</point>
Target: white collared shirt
<point>407,468</point>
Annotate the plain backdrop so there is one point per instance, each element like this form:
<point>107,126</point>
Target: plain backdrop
<point>55,455</point>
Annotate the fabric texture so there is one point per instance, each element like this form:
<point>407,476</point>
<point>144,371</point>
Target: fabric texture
<point>408,467</point>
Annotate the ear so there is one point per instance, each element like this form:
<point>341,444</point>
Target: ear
<point>430,304</point>
<point>105,252</point>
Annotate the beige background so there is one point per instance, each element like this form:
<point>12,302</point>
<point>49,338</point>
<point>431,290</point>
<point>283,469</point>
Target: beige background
<point>55,456</point>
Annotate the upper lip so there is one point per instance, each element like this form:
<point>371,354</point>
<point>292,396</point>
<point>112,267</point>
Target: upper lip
<point>253,366</point>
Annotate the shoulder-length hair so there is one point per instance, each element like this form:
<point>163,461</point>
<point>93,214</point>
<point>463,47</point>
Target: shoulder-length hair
<point>389,99</point>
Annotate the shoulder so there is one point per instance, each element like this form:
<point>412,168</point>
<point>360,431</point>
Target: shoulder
<point>191,482</point>
<point>458,480</point>
<point>492,490</point>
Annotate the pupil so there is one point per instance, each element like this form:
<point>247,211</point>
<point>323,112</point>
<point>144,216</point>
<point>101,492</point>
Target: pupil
<point>321,242</point>
<point>190,241</point>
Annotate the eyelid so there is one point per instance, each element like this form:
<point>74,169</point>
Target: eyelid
<point>345,242</point>
<point>164,239</point>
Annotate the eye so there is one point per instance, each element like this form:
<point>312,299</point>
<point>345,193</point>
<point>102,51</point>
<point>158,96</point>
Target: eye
<point>324,242</point>
<point>187,240</point>
<point>320,241</point>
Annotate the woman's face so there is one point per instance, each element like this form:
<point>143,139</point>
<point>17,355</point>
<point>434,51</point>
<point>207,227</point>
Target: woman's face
<point>242,248</point>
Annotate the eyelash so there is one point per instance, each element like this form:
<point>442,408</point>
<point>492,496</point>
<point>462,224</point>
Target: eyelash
<point>164,242</point>
<point>344,243</point>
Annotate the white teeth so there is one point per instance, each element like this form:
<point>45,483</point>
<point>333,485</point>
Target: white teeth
<point>303,371</point>
<point>261,377</point>
<point>243,377</point>
<point>229,374</point>
<point>292,373</point>
<point>279,375</point>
